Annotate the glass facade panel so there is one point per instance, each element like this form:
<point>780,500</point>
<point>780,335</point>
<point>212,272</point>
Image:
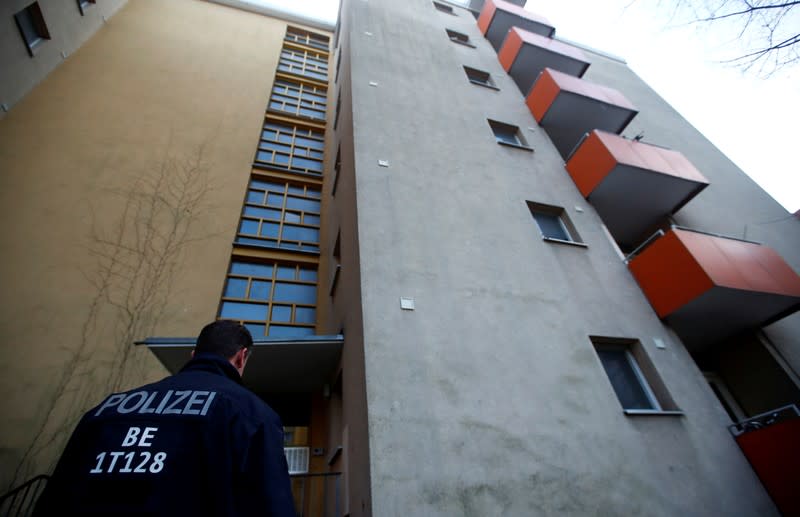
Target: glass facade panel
<point>268,284</point>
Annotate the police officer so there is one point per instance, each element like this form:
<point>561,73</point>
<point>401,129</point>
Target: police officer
<point>195,443</point>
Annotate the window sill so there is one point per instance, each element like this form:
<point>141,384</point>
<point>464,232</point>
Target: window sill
<point>651,412</point>
<point>490,86</point>
<point>562,241</point>
<point>466,44</point>
<point>516,146</point>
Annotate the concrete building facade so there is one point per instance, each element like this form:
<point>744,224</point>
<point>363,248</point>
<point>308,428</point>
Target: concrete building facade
<point>488,271</point>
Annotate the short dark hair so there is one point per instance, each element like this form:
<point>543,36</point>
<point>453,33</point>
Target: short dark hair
<point>223,337</point>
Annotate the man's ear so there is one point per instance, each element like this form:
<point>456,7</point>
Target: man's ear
<point>239,358</point>
<point>192,353</point>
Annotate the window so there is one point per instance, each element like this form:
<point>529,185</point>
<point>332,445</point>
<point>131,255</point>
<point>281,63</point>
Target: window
<point>633,377</point>
<point>32,27</point>
<point>337,168</point>
<point>280,215</point>
<point>480,77</point>
<point>291,148</point>
<point>554,224</point>
<point>307,63</point>
<point>337,262</point>
<point>444,8</point>
<point>338,109</point>
<point>307,38</point>
<point>506,134</point>
<point>298,99</point>
<point>271,298</point>
<point>85,4</point>
<point>338,66</point>
<point>458,37</point>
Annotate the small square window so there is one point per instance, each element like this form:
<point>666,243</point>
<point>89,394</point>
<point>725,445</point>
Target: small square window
<point>633,377</point>
<point>480,77</point>
<point>458,37</point>
<point>444,8</point>
<point>337,168</point>
<point>506,134</point>
<point>32,27</point>
<point>85,4</point>
<point>554,223</point>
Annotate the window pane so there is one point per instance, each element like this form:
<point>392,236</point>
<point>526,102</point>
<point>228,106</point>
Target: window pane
<point>246,269</point>
<point>311,219</point>
<point>264,213</point>
<point>287,331</point>
<point>257,331</point>
<point>249,226</point>
<point>274,199</point>
<point>270,230</point>
<point>243,311</point>
<point>298,233</point>
<point>551,226</point>
<point>236,288</point>
<point>286,273</point>
<point>308,275</point>
<point>305,315</point>
<point>297,203</point>
<point>255,196</point>
<point>291,217</point>
<point>624,380</point>
<point>295,293</point>
<point>282,313</point>
<point>260,290</point>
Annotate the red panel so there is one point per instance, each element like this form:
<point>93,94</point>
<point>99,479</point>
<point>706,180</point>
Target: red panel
<point>741,265</point>
<point>590,164</point>
<point>510,49</point>
<point>592,90</point>
<point>650,157</point>
<point>543,92</point>
<point>774,453</point>
<point>485,19</point>
<point>521,12</point>
<point>537,40</point>
<point>669,275</point>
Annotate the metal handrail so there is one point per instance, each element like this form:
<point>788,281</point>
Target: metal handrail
<point>642,246</point>
<point>12,504</point>
<point>764,420</point>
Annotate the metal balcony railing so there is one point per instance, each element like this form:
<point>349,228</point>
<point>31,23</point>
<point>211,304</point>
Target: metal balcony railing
<point>764,420</point>
<point>21,501</point>
<point>297,458</point>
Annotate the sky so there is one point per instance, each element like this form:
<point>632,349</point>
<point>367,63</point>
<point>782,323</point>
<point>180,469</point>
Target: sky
<point>750,118</point>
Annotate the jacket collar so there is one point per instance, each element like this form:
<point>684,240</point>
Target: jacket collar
<point>212,363</point>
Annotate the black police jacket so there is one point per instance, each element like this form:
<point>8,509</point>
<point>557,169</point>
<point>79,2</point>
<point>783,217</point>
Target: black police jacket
<point>195,443</point>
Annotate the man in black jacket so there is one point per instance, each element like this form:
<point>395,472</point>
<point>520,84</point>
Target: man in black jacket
<point>195,443</point>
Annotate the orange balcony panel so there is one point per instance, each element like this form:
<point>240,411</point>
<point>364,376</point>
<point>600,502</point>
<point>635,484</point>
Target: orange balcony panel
<point>709,287</point>
<point>524,55</point>
<point>568,107</point>
<point>774,453</point>
<point>498,16</point>
<point>632,185</point>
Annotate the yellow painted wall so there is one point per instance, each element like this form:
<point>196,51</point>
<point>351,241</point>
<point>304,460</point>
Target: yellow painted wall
<point>162,105</point>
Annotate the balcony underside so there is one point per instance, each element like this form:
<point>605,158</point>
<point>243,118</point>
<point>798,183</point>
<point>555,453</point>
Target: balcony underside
<point>710,287</point>
<point>570,116</point>
<point>525,55</point>
<point>722,313</point>
<point>276,366</point>
<point>631,201</point>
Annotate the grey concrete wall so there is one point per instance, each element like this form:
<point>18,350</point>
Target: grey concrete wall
<point>19,72</point>
<point>340,310</point>
<point>488,398</point>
